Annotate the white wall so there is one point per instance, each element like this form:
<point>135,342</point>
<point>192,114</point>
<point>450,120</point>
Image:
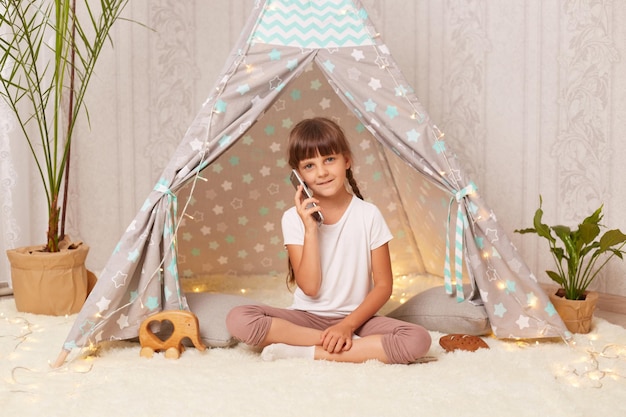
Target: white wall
<point>533,93</point>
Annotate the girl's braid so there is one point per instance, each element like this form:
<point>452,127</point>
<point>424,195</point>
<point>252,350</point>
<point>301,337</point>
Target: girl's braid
<point>352,182</point>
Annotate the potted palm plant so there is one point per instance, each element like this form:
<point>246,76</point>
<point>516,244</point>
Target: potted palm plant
<point>48,54</point>
<point>579,255</point>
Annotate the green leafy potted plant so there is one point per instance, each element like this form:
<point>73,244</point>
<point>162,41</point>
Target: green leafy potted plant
<point>579,255</point>
<point>48,54</point>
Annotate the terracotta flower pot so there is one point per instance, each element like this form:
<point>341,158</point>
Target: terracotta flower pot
<point>576,314</point>
<point>49,283</point>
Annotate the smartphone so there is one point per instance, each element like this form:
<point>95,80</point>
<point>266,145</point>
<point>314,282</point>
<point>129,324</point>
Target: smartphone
<point>297,180</point>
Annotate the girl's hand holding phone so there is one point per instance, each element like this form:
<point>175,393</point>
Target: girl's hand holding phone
<point>307,207</point>
<point>305,196</point>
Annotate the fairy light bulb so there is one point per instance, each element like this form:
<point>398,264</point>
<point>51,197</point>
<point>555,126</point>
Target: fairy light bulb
<point>438,132</point>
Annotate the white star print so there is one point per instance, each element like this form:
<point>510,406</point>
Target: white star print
<point>103,304</point>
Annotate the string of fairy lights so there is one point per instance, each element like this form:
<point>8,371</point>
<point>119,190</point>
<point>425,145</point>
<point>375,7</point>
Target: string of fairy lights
<point>594,367</point>
<point>177,220</point>
<point>234,68</point>
<point>449,175</point>
<point>402,94</point>
<point>595,363</point>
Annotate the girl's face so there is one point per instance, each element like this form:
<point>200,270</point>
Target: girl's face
<point>325,175</point>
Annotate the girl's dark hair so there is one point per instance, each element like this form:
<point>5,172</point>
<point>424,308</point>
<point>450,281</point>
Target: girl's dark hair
<point>318,136</point>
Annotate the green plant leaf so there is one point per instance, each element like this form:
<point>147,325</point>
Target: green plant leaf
<point>612,238</point>
<point>571,247</point>
<point>524,231</point>
<point>588,232</point>
<point>555,277</point>
<point>566,236</point>
<point>595,217</point>
<point>542,229</point>
<point>584,251</point>
<point>559,253</point>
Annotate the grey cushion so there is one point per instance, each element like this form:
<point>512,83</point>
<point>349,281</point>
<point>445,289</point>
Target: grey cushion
<point>437,311</point>
<point>211,310</point>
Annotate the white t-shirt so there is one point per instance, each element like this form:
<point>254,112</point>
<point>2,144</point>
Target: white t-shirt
<point>345,254</point>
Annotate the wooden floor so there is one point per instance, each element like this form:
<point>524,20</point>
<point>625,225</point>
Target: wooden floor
<point>611,309</point>
<point>615,318</point>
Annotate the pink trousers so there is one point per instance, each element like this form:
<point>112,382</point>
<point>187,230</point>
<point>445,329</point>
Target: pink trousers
<point>403,342</point>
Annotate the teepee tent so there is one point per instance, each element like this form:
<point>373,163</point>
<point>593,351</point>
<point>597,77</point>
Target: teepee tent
<point>330,51</point>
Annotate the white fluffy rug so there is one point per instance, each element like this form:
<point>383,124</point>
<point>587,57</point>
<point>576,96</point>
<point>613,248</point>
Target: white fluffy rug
<point>509,379</point>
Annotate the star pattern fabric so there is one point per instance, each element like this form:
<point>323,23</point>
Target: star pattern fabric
<point>283,72</point>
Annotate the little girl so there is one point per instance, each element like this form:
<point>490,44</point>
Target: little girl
<point>341,269</point>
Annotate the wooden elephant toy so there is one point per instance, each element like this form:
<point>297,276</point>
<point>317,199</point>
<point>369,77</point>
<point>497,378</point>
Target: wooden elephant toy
<point>185,324</point>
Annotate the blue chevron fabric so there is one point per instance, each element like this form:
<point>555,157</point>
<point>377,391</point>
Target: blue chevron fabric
<point>312,24</point>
